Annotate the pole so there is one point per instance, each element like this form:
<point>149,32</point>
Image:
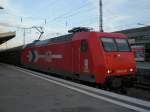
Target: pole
<point>100,16</point>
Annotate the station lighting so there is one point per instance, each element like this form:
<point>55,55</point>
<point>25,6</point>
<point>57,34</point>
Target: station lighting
<point>1,7</point>
<point>143,24</point>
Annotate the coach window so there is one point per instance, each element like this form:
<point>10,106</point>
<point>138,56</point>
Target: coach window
<point>84,45</point>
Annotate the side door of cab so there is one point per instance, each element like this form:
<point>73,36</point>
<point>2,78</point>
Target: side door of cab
<point>76,57</point>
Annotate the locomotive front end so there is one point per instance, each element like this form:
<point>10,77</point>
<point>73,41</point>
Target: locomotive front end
<point>120,62</point>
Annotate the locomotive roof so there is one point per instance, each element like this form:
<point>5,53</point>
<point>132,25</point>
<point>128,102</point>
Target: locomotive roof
<point>62,38</point>
<point>68,37</point>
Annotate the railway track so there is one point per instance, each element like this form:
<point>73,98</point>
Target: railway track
<point>142,85</point>
<point>143,80</point>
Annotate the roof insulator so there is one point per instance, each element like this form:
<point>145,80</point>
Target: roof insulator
<point>80,29</point>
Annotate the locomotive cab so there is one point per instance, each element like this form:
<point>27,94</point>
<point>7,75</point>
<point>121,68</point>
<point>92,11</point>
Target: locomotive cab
<point>118,56</point>
<point>119,60</point>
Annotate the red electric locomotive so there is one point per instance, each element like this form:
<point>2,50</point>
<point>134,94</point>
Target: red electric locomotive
<point>98,57</point>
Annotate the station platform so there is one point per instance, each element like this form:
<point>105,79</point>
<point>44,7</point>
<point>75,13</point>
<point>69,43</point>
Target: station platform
<point>26,91</point>
<point>143,65</point>
<point>143,69</point>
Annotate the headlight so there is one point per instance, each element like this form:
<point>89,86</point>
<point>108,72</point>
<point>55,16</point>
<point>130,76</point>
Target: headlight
<point>131,70</point>
<point>109,71</point>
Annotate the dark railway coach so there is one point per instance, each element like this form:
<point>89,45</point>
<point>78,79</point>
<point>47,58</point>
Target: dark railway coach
<point>98,57</point>
<point>11,56</point>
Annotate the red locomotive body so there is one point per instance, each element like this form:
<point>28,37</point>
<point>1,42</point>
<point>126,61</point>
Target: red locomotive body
<point>90,56</point>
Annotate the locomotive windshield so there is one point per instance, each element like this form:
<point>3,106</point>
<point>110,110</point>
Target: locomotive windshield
<point>122,45</point>
<point>109,44</point>
<point>115,45</point>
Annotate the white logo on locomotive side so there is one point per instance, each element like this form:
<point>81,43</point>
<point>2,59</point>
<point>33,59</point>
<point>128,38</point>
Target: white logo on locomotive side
<point>30,56</point>
<point>34,56</point>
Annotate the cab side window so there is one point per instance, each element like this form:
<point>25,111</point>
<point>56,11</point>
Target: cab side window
<point>84,45</point>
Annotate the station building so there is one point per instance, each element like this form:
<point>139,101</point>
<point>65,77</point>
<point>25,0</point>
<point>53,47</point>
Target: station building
<point>139,36</point>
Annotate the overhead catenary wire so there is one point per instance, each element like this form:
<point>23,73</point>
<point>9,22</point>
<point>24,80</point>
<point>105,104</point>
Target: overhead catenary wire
<point>69,14</point>
<point>45,21</point>
<point>75,13</point>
